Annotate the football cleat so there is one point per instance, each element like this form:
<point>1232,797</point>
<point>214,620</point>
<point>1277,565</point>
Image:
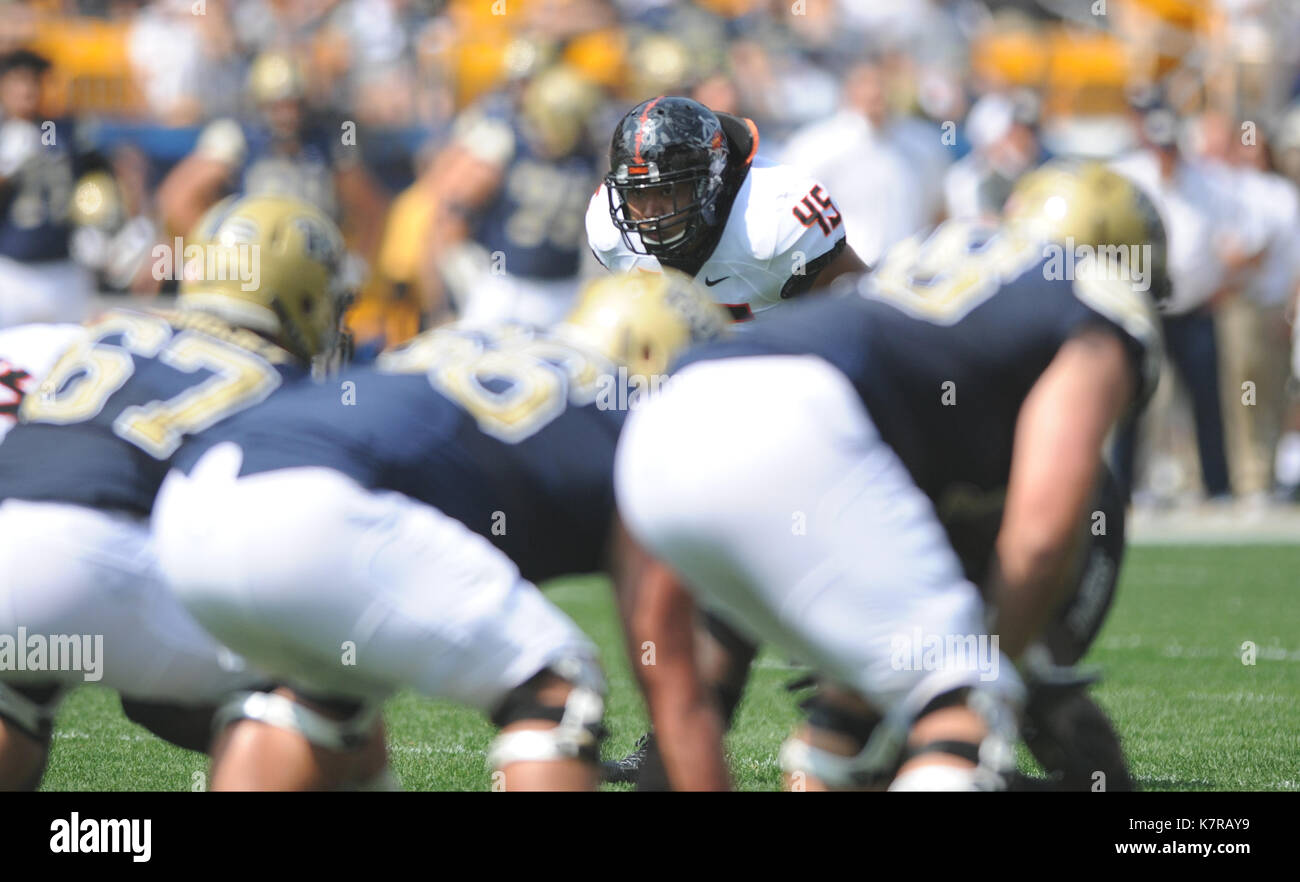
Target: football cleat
<point>628,769</point>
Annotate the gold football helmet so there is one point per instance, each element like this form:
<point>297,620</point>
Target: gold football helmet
<point>643,320</point>
<point>97,202</point>
<point>555,108</point>
<point>660,64</point>
<point>1086,202</point>
<point>270,264</point>
<point>275,76</point>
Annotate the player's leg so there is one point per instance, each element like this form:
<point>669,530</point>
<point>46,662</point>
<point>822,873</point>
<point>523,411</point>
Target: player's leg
<point>85,582</point>
<point>763,482</point>
<point>285,740</point>
<point>26,721</point>
<point>381,592</point>
<point>724,655</point>
<point>839,723</point>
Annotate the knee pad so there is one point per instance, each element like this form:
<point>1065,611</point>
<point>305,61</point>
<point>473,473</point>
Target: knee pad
<point>30,709</point>
<point>993,758</point>
<point>875,762</point>
<point>578,730</point>
<point>885,748</point>
<point>286,713</point>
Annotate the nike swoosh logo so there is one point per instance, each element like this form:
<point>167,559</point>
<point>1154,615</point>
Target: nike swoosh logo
<point>711,282</point>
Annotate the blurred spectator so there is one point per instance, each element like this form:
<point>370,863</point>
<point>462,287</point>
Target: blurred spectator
<point>184,63</point>
<point>1194,199</point>
<point>1254,330</point>
<point>1003,147</point>
<point>877,185</point>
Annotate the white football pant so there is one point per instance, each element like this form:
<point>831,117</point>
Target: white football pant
<point>764,483</point>
<point>343,591</point>
<point>71,574</point>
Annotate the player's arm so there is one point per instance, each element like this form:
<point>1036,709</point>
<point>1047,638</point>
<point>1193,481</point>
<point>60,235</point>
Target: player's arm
<point>464,177</point>
<point>845,263</point>
<point>201,178</point>
<point>364,206</point>
<point>1055,463</point>
<point>815,227</point>
<point>659,617</point>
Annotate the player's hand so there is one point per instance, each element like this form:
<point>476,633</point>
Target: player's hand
<point>1038,670</point>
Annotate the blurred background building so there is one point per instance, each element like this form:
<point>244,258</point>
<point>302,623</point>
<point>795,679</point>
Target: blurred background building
<point>457,142</point>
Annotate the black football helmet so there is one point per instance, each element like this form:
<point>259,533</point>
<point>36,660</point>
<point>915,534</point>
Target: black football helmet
<point>659,144</point>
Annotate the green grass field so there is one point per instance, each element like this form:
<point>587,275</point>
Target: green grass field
<point>1193,715</point>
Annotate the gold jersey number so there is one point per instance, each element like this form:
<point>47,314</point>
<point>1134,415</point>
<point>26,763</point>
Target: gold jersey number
<point>944,277</point>
<point>87,375</point>
<point>511,381</point>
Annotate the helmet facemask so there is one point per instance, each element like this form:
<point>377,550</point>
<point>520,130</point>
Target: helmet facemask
<point>672,153</point>
<point>671,232</point>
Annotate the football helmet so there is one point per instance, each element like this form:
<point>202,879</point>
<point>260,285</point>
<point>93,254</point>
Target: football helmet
<point>667,163</point>
<point>643,320</point>
<point>1093,206</point>
<point>275,76</point>
<point>97,202</point>
<point>659,63</point>
<point>270,264</point>
<point>555,107</point>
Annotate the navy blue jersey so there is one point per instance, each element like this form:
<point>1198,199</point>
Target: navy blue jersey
<point>103,426</point>
<point>536,217</point>
<point>36,199</point>
<point>507,431</point>
<point>943,344</point>
<point>307,174</point>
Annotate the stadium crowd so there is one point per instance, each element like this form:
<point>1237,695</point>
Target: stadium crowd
<point>457,143</point>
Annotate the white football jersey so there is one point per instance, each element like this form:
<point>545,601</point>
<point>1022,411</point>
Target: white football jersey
<point>27,353</point>
<point>780,222</point>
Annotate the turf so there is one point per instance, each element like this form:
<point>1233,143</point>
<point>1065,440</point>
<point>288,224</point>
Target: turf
<point>1194,716</point>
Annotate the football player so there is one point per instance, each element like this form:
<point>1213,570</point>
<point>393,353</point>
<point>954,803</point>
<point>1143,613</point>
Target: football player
<point>284,152</point>
<point>39,282</point>
<point>971,376</point>
<point>686,191</point>
<point>507,232</point>
<point>79,472</point>
<point>388,532</point>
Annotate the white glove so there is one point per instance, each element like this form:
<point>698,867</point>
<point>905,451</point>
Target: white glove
<point>19,141</point>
